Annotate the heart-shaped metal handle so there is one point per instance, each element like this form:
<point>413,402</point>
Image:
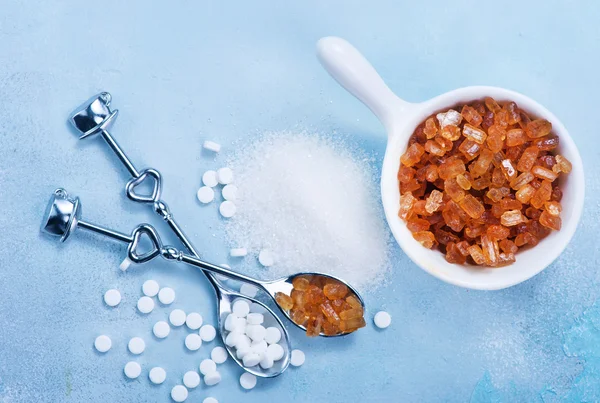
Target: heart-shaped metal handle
<point>150,174</point>
<point>138,233</point>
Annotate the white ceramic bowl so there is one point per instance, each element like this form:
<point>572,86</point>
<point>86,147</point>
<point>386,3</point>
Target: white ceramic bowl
<point>400,118</point>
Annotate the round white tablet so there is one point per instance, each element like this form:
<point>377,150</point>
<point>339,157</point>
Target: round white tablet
<point>161,329</point>
<point>218,355</point>
<point>191,379</point>
<point>125,264</point>
<point>145,305</point>
<point>225,176</point>
<point>150,288</point>
<point>103,343</point>
<point>256,332</point>
<point>177,317</point>
<point>112,297</point>
<point>229,192</point>
<point>205,195</point>
<point>297,358</point>
<point>212,146</point>
<point>266,258</point>
<point>238,252</point>
<point>193,320</point>
<point>232,339</point>
<point>382,319</point>
<point>208,332</point>
<point>179,393</point>
<point>227,209</point>
<point>166,295</point>
<point>193,342</point>
<point>255,318</point>
<point>209,178</point>
<point>275,352</point>
<point>207,366</point>
<point>272,335</point>
<point>132,370</point>
<point>210,400</point>
<point>136,345</point>
<point>248,290</point>
<point>240,308</point>
<point>157,375</point>
<point>266,362</point>
<point>247,380</point>
<point>212,379</point>
<point>251,359</point>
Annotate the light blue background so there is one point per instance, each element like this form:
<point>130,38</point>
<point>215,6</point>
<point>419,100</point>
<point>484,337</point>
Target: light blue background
<point>185,71</point>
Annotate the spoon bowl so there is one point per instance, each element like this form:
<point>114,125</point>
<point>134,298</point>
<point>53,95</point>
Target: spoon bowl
<point>400,118</point>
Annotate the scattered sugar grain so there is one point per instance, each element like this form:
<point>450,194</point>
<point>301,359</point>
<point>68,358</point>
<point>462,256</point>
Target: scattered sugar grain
<point>205,194</point>
<point>102,343</point>
<point>298,358</point>
<point>299,192</point>
<point>166,295</point>
<point>177,317</point>
<point>209,178</point>
<point>193,341</point>
<point>229,192</point>
<point>193,320</point>
<point>225,175</point>
<point>112,297</point>
<point>247,381</point>
<point>179,393</point>
<point>157,375</point>
<point>207,333</point>
<point>136,345</point>
<point>161,329</point>
<point>191,379</point>
<point>212,146</point>
<point>145,304</point>
<point>218,355</point>
<point>132,370</point>
<point>150,288</point>
<point>382,319</point>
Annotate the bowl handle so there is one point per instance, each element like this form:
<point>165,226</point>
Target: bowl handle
<point>349,68</point>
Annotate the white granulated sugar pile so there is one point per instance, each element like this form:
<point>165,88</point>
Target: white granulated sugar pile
<point>313,204</point>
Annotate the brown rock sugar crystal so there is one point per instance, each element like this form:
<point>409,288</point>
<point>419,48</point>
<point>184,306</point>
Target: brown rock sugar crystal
<point>477,182</point>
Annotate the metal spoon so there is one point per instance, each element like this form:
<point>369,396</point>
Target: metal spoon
<point>63,216</point>
<point>94,117</point>
<point>69,208</point>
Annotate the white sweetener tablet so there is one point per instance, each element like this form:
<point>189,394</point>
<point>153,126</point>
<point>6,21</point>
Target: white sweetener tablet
<point>112,297</point>
<point>157,375</point>
<point>251,359</point>
<point>193,342</point>
<point>166,295</point>
<point>132,370</point>
<point>102,343</point>
<point>145,305</point>
<point>238,252</point>
<point>179,393</point>
<point>266,362</point>
<point>193,320</point>
<point>298,358</point>
<point>240,308</point>
<point>382,319</point>
<point>266,258</point>
<point>177,317</point>
<point>208,332</point>
<point>272,335</point>
<point>229,192</point>
<point>209,178</point>
<point>161,329</point>
<point>210,400</point>
<point>275,352</point>
<point>255,318</point>
<point>125,264</point>
<point>227,209</point>
<point>225,176</point>
<point>218,355</point>
<point>207,366</point>
<point>247,380</point>
<point>136,345</point>
<point>248,290</point>
<point>212,146</point>
<point>212,379</point>
<point>205,195</point>
<point>191,379</point>
<point>150,288</point>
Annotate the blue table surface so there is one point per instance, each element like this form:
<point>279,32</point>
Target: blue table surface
<point>186,71</point>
